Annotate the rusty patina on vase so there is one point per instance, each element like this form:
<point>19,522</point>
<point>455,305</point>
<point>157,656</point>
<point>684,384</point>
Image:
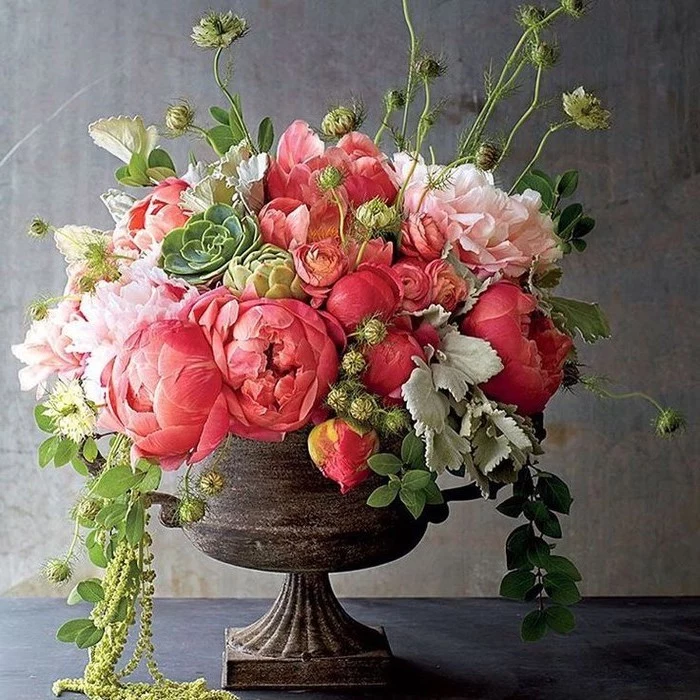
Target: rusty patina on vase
<point>277,512</point>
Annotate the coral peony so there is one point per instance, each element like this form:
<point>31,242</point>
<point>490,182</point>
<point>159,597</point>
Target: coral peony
<point>422,237</point>
<point>372,290</point>
<point>417,285</point>
<point>533,351</point>
<point>284,222</point>
<point>166,393</point>
<point>279,357</point>
<point>341,451</point>
<point>47,350</point>
<point>150,219</point>
<point>390,363</point>
<point>448,287</point>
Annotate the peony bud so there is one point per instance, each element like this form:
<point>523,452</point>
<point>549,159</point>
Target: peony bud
<point>57,571</point>
<point>338,122</point>
<point>211,482</point>
<point>341,450</point>
<point>353,362</point>
<point>218,30</point>
<point>179,118</point>
<point>329,178</point>
<point>191,510</point>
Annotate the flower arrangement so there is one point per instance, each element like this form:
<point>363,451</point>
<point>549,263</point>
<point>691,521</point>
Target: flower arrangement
<point>403,311</point>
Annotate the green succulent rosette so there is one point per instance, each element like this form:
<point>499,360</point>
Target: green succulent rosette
<point>267,270</point>
<point>201,250</point>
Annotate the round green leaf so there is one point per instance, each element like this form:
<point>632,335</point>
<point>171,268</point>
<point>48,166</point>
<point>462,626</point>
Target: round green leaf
<point>91,590</point>
<point>65,451</point>
<point>516,584</point>
<point>413,451</point>
<point>561,589</point>
<point>534,626</point>
<point>562,565</point>
<point>416,479</point>
<point>560,619</point>
<point>68,631</point>
<point>413,500</point>
<point>385,463</point>
<point>88,637</point>
<point>382,496</point>
<point>47,450</point>
<point>116,481</point>
<point>42,420</point>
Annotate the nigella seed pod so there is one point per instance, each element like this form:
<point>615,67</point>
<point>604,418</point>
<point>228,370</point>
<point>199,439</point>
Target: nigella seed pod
<point>363,408</point>
<point>487,156</point>
<point>57,571</point>
<point>574,8</point>
<point>353,362</point>
<point>543,55</point>
<point>372,331</point>
<point>329,178</point>
<point>338,122</point>
<point>191,510</point>
<point>179,118</point>
<point>430,67</point>
<point>38,228</point>
<point>529,16</point>
<point>338,399</point>
<point>211,482</point>
<point>669,421</point>
<point>394,99</point>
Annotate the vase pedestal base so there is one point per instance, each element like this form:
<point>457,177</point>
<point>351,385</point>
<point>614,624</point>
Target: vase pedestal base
<point>306,640</point>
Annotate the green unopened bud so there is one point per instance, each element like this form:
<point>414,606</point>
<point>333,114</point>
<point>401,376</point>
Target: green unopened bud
<point>353,362</point>
<point>668,422</point>
<point>329,178</point>
<point>38,228</point>
<point>372,331</point>
<point>395,421</point>
<point>363,408</point>
<point>218,30</point>
<point>376,215</point>
<point>211,482</point>
<point>394,99</point>
<point>191,510</point>
<point>574,8</point>
<point>487,156</point>
<point>529,16</point>
<point>430,67</point>
<point>585,109</point>
<point>543,54</point>
<point>179,118</point>
<point>57,571</point>
<point>38,309</point>
<point>89,508</point>
<point>338,122</point>
<point>338,399</point>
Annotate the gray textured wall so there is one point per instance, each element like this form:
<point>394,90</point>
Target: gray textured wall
<point>635,521</point>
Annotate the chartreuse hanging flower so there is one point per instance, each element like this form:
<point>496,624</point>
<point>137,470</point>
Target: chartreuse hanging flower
<point>201,251</point>
<point>268,271</point>
<point>57,571</point>
<point>218,30</point>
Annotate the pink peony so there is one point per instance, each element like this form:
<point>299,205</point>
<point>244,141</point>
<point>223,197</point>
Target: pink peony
<point>143,295</point>
<point>278,356</point>
<point>448,288</point>
<point>377,251</point>
<point>417,285</point>
<point>46,349</point>
<point>150,219</point>
<point>372,290</point>
<point>493,232</point>
<point>423,238</point>
<point>284,222</point>
<point>166,393</point>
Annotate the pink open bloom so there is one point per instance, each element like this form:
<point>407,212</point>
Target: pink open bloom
<point>284,222</point>
<point>279,356</point>
<point>150,219</point>
<point>492,231</point>
<point>46,349</point>
<point>166,393</point>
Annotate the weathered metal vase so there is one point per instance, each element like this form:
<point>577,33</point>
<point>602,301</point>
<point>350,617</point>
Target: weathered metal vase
<point>277,512</point>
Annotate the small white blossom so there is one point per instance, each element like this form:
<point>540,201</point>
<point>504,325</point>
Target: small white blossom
<point>70,411</point>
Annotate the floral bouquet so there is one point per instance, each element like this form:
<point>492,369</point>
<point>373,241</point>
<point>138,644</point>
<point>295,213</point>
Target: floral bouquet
<point>402,310</point>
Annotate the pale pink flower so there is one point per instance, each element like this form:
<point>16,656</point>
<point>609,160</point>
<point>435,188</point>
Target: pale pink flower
<point>116,310</point>
<point>46,349</point>
<point>284,222</point>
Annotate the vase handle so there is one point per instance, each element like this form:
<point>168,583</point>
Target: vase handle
<point>169,506</point>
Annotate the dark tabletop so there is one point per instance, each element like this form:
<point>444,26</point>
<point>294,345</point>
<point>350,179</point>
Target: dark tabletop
<point>622,649</point>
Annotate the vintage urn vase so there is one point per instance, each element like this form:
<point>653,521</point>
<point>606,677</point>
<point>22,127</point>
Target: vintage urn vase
<point>277,512</point>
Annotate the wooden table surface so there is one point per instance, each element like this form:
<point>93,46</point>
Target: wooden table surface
<point>622,649</point>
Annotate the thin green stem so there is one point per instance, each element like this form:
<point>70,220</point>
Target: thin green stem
<point>552,129</point>
<point>534,105</point>
<point>234,107</point>
<point>605,393</point>
<point>341,215</point>
<point>382,126</point>
<point>411,61</point>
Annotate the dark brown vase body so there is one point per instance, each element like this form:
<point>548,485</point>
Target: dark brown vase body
<point>277,512</point>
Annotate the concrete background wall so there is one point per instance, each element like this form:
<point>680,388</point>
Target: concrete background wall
<point>635,521</point>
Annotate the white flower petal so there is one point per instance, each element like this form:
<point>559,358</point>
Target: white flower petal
<point>124,136</point>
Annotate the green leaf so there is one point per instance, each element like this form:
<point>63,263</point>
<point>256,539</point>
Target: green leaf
<point>137,168</point>
<point>68,631</point>
<point>158,158</point>
<point>42,420</point>
<point>512,507</point>
<point>219,115</point>
<point>416,479</point>
<point>560,619</point>
<point>413,451</point>
<point>79,466</point>
<point>65,451</point>
<point>383,496</point>
<point>538,553</point>
<point>574,315</point>
<point>135,521</point>
<point>121,173</point>
<point>516,584</point>
<point>90,449</point>
<point>237,133</point>
<point>547,523</point>
<point>433,495</point>
<point>97,556</point>
<point>561,589</point>
<point>413,500</point>
<point>533,593</point>
<point>583,226</point>
<point>567,183</point>
<point>567,220</point>
<point>91,590</point>
<point>517,546</point>
<point>221,138</point>
<point>534,626</point>
<point>266,135</point>
<point>159,174</point>
<point>555,494</point>
<point>562,565</point>
<point>385,463</point>
<point>121,611</point>
<point>116,481</point>
<point>151,479</point>
<point>47,450</point>
<point>111,514</point>
<point>88,637</point>
<point>579,244</point>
